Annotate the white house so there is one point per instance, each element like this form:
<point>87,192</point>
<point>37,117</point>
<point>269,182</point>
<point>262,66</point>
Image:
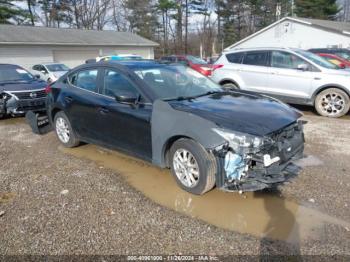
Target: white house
<point>27,45</point>
<point>299,32</point>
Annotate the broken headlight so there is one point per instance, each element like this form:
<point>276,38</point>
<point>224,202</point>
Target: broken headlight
<point>240,142</point>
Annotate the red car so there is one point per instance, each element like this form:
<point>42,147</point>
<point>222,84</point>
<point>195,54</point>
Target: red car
<point>337,60</point>
<point>194,62</point>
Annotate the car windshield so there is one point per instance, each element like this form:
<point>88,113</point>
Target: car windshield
<point>177,82</point>
<point>14,75</point>
<point>196,60</point>
<point>57,67</point>
<point>317,59</point>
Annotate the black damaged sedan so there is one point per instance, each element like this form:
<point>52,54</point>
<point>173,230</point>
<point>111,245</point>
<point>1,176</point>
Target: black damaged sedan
<point>176,118</point>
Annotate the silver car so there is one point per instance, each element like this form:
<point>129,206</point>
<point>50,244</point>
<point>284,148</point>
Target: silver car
<point>292,75</point>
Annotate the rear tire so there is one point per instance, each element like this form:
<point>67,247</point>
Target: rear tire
<point>64,130</point>
<point>332,102</point>
<point>190,162</point>
<point>230,86</point>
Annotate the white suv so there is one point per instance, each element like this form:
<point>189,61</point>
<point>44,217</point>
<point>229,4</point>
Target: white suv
<point>291,75</point>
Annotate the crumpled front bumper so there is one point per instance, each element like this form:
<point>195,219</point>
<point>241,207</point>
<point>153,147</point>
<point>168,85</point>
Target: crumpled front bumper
<point>15,106</point>
<point>265,178</point>
<point>39,122</point>
<point>257,174</point>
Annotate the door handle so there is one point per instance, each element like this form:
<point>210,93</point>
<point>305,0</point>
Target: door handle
<point>68,99</point>
<point>103,110</point>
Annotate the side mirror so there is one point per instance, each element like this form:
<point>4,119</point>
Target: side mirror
<point>37,76</point>
<point>303,67</point>
<point>44,72</point>
<point>127,98</point>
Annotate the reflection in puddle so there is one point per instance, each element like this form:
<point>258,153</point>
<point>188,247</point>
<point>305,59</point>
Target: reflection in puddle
<point>259,214</point>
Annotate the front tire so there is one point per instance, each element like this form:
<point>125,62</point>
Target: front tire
<point>192,166</point>
<point>332,102</point>
<point>64,130</point>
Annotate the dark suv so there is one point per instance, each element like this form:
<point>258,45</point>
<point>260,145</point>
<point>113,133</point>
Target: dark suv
<point>20,91</point>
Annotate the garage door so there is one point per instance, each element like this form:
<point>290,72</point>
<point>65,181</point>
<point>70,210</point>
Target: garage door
<point>25,57</point>
<point>73,58</point>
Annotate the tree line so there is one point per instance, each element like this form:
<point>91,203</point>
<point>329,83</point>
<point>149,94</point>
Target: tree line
<point>199,27</point>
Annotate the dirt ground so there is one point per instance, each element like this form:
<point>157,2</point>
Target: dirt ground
<point>90,200</point>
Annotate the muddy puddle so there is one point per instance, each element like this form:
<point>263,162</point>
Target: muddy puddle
<point>6,197</point>
<point>259,214</point>
<point>12,121</point>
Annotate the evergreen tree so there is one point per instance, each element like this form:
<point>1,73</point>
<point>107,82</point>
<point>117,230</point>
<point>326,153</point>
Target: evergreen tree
<point>10,13</point>
<point>142,17</point>
<point>320,9</point>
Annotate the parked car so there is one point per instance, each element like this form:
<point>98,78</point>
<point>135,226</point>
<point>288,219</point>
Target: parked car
<point>20,91</point>
<point>177,118</point>
<point>342,52</point>
<point>195,63</point>
<point>118,57</point>
<point>291,75</point>
<point>50,72</point>
<point>337,60</point>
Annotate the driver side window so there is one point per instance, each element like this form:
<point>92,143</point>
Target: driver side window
<point>285,60</point>
<point>115,84</point>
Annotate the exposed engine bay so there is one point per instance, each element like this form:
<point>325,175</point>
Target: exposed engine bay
<point>254,165</point>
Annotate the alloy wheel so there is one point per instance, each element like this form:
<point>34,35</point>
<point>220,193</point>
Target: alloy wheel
<point>332,103</point>
<point>186,168</point>
<point>62,130</point>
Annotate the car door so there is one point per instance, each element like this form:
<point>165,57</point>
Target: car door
<point>254,70</point>
<point>290,76</point>
<point>82,103</point>
<point>124,125</point>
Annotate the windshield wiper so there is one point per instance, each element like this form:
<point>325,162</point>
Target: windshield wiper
<point>179,98</point>
<point>207,93</point>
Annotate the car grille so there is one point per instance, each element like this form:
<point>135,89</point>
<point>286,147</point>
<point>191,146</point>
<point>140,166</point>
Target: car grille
<point>30,94</point>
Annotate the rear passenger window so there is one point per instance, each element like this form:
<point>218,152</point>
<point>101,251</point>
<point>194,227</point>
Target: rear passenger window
<point>86,79</point>
<point>256,58</point>
<point>235,58</point>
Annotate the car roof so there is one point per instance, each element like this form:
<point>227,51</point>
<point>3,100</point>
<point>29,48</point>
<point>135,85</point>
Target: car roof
<point>9,66</point>
<point>237,50</point>
<point>138,63</point>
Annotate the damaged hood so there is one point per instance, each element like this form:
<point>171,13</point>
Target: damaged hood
<point>22,85</point>
<point>240,111</point>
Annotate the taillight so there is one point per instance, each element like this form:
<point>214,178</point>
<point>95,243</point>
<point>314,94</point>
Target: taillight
<point>216,67</point>
<point>48,89</point>
<point>205,70</point>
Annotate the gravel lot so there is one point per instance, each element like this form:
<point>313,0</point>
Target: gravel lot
<point>53,202</point>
